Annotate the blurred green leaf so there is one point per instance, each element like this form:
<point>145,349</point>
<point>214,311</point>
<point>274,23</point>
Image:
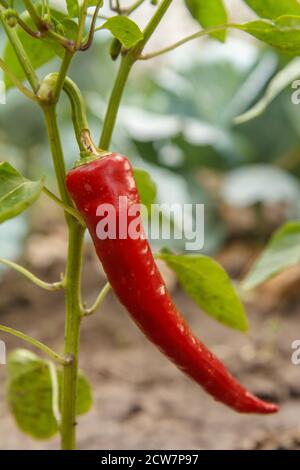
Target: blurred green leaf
<point>206,282</point>
<point>274,8</point>
<point>124,29</point>
<point>73,8</point>
<point>29,394</point>
<point>265,184</point>
<point>209,13</point>
<point>286,76</point>
<point>146,187</point>
<point>282,252</point>
<point>282,33</point>
<point>40,51</point>
<point>16,192</point>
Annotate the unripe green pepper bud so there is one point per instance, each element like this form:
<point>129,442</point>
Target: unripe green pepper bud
<point>11,17</point>
<point>115,49</point>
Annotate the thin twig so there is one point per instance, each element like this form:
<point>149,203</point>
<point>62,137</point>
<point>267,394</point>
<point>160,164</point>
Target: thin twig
<point>54,355</point>
<point>70,210</point>
<point>54,286</point>
<point>16,81</point>
<point>90,38</point>
<point>89,311</point>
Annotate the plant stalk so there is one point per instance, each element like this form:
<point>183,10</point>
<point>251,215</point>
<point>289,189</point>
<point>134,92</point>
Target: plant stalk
<point>114,101</point>
<point>72,337</point>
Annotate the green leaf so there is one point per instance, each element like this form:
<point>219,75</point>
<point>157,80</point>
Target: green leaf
<point>73,8</point>
<point>209,13</point>
<point>124,29</point>
<point>29,394</point>
<point>206,282</point>
<point>40,51</point>
<point>147,188</point>
<point>16,192</point>
<point>282,33</point>
<point>286,76</point>
<point>282,252</point>
<point>274,8</point>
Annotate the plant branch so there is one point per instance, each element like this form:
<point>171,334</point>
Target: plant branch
<point>70,210</point>
<point>89,311</point>
<point>154,22</point>
<point>127,11</point>
<point>57,152</point>
<point>20,53</point>
<point>34,279</point>
<point>114,101</point>
<point>123,73</point>
<point>62,74</point>
<point>72,336</point>
<point>17,82</point>
<point>34,15</point>
<point>90,38</point>
<point>54,355</point>
<point>83,15</point>
<point>179,43</point>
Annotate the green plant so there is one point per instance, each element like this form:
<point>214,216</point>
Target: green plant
<point>34,37</point>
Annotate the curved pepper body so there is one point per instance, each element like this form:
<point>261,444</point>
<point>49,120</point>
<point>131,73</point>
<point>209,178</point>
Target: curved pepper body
<point>137,282</point>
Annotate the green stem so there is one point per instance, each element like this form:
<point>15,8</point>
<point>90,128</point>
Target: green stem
<point>62,74</point>
<point>114,101</point>
<point>124,70</point>
<point>56,150</point>
<point>154,22</point>
<point>85,46</point>
<point>54,355</point>
<point>83,15</point>
<point>179,43</point>
<point>16,82</point>
<point>54,286</point>
<point>72,337</point>
<point>70,210</point>
<point>20,53</point>
<point>89,311</point>
<point>133,7</point>
<point>33,14</point>
<point>80,122</point>
<point>72,282</point>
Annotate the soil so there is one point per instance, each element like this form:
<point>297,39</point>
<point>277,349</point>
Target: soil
<point>141,401</point>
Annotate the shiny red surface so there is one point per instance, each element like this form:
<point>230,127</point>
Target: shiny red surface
<point>134,277</point>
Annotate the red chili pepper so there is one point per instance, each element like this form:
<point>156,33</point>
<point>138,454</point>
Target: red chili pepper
<point>134,276</point>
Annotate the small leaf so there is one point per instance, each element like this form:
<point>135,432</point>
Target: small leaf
<point>16,192</point>
<point>282,33</point>
<point>147,188</point>
<point>40,51</point>
<point>124,29</point>
<point>274,8</point>
<point>206,282</point>
<point>30,394</point>
<point>286,76</point>
<point>208,14</point>
<point>282,252</point>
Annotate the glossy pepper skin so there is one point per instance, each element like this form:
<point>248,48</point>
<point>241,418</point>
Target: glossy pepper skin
<point>136,280</point>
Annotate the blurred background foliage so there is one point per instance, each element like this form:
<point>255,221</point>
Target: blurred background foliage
<point>177,122</point>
